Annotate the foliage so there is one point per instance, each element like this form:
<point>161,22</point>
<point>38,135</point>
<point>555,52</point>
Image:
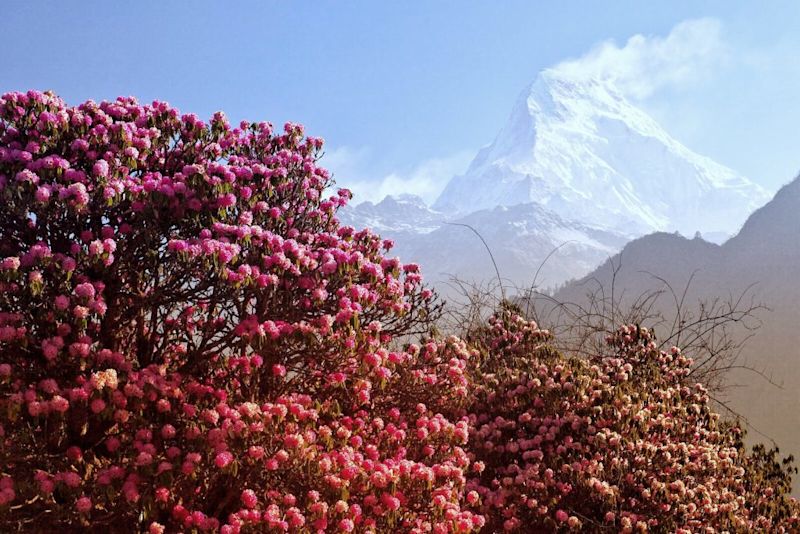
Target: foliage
<point>190,341</point>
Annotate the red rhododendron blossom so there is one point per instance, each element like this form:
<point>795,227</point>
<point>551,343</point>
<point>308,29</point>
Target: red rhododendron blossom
<point>83,505</point>
<point>249,498</point>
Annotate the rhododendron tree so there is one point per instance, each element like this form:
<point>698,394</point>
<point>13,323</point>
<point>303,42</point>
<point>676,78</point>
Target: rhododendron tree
<point>617,442</point>
<point>190,341</point>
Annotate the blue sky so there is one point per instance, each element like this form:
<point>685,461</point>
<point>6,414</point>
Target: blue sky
<point>406,92</point>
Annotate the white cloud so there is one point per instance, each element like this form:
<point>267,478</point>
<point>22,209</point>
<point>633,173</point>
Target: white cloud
<point>645,64</point>
<point>346,163</point>
<point>351,169</point>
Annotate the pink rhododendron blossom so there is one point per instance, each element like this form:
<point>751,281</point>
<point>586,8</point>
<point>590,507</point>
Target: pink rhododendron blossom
<point>223,459</point>
<point>249,498</point>
<point>83,505</point>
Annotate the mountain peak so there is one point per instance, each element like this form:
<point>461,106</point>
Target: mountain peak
<point>561,85</point>
<point>581,149</point>
<point>405,199</point>
<point>403,213</point>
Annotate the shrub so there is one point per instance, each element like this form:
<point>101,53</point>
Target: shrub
<point>617,442</point>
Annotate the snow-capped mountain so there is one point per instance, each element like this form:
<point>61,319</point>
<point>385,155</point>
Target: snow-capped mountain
<point>577,168</point>
<point>394,215</point>
<point>582,150</point>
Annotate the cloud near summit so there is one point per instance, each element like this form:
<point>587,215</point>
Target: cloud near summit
<point>645,64</point>
<point>691,52</point>
<point>351,169</point>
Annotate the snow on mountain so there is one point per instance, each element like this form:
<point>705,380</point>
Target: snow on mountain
<point>582,150</point>
<point>393,216</point>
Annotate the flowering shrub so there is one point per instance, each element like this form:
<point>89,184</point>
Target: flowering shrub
<point>619,442</point>
<point>189,341</point>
